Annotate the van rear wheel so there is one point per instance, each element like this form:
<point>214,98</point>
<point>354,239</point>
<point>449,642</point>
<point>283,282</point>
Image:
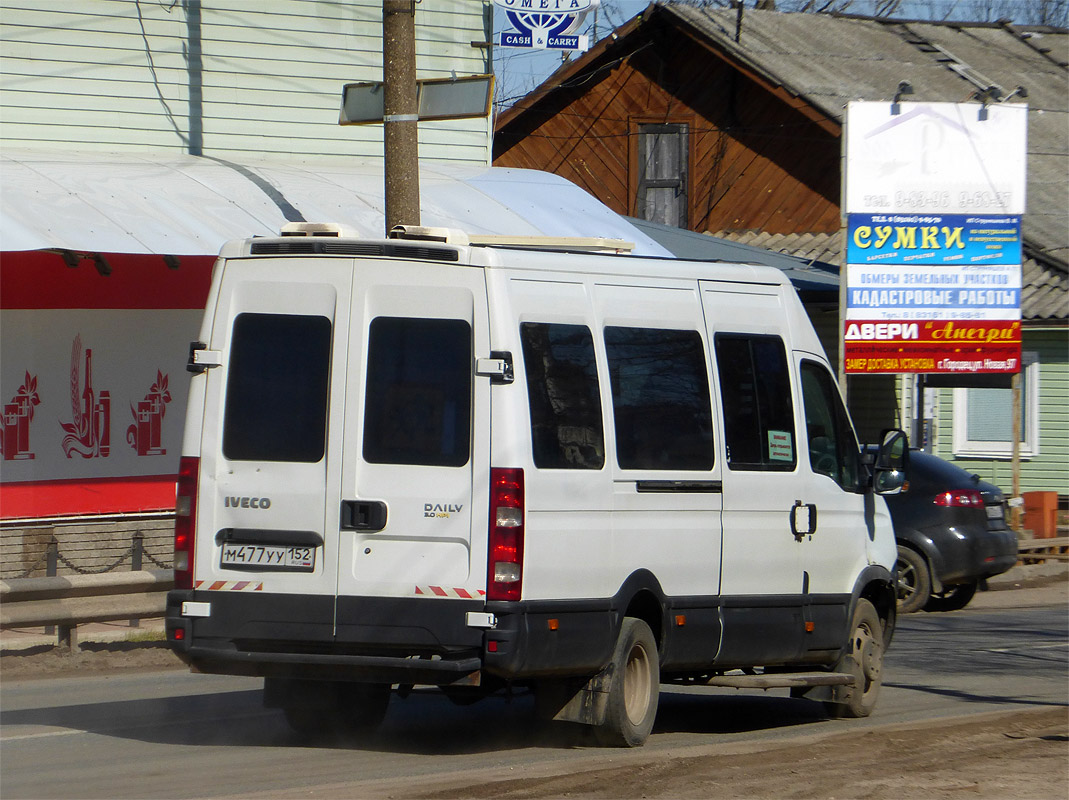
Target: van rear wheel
<point>363,706</point>
<point>634,687</point>
<point>321,708</point>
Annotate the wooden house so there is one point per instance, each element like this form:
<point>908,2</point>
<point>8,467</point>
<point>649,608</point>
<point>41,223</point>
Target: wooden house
<point>730,121</point>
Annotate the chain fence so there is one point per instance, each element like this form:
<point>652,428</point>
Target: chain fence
<point>35,566</point>
<point>53,557</point>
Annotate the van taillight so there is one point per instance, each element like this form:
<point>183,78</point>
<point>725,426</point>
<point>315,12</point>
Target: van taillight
<point>185,522</point>
<point>960,498</point>
<point>505,560</point>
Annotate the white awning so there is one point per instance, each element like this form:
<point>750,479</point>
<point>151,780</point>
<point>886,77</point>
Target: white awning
<point>189,205</point>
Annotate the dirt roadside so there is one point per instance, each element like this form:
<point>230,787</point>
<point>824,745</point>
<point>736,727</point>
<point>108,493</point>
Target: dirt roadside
<point>1005,756</point>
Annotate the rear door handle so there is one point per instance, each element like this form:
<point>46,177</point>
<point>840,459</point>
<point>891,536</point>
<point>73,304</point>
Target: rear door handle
<point>363,515</point>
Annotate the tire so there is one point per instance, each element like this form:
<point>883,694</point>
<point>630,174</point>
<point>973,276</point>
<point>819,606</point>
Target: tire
<point>354,709</point>
<point>307,722</point>
<point>913,586</point>
<point>363,706</point>
<point>634,687</point>
<point>864,658</point>
<point>954,598</point>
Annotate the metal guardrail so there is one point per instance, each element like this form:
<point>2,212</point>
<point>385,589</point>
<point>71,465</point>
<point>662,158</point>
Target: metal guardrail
<point>69,601</point>
<point>1056,549</point>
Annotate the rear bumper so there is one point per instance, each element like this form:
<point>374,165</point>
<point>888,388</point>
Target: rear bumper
<point>972,554</point>
<point>388,640</point>
<point>385,640</point>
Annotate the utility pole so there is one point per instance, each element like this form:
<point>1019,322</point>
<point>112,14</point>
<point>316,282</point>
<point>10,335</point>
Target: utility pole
<point>400,112</point>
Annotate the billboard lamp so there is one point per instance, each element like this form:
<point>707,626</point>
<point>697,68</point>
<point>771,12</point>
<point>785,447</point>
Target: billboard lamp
<point>904,87</point>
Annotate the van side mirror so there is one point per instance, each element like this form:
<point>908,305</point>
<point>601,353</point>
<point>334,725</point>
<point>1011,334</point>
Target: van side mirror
<point>891,465</point>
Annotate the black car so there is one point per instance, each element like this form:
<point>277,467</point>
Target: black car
<point>951,532</point>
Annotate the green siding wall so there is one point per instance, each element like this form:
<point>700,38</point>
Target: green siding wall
<point>126,74</point>
<point>1049,470</point>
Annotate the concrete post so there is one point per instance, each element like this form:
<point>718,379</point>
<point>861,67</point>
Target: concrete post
<point>400,126</point>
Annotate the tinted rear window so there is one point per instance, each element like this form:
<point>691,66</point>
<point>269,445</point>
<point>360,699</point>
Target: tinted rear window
<point>562,390</point>
<point>660,398</point>
<point>418,394</point>
<point>276,389</point>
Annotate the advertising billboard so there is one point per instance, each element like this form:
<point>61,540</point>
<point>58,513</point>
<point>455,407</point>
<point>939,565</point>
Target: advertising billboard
<point>934,198</point>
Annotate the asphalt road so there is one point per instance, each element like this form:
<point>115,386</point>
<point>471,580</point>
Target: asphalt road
<point>173,734</point>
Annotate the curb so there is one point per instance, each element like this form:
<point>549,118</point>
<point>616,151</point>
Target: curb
<point>17,639</point>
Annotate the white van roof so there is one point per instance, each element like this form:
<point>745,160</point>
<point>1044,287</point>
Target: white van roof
<point>570,254</point>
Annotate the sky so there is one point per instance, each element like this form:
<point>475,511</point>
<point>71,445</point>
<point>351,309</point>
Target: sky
<point>519,70</point>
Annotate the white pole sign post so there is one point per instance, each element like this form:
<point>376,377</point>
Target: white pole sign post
<point>934,198</point>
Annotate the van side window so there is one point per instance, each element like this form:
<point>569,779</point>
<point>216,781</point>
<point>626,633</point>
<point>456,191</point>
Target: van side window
<point>833,449</point>
<point>276,388</point>
<point>418,394</point>
<point>758,411</point>
<point>660,398</point>
<point>562,390</point>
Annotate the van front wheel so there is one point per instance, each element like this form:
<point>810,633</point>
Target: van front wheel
<point>864,659</point>
<point>634,687</point>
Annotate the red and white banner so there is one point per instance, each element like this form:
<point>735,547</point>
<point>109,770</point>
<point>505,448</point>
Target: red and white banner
<point>93,382</point>
<point>945,346</point>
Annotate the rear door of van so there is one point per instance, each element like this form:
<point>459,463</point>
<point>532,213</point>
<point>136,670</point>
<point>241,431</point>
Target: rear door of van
<point>271,463</point>
<point>411,529</point>
<point>338,453</point>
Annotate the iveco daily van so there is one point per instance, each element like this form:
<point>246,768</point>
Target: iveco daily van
<point>429,460</point>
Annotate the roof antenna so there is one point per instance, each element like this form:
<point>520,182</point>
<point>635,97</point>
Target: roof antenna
<point>738,20</point>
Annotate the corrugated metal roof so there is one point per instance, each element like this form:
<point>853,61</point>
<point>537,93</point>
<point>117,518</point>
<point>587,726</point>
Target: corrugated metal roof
<point>807,275</point>
<point>187,205</point>
<point>823,248</point>
<point>830,60</point>
<point>1045,297</point>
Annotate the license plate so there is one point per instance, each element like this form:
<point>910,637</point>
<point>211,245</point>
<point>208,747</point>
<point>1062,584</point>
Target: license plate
<point>994,512</point>
<point>269,557</point>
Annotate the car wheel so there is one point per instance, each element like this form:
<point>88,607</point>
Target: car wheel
<point>863,658</point>
<point>913,586</point>
<point>953,599</point>
<point>634,687</point>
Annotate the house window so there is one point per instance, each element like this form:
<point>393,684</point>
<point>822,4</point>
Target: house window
<point>983,418</point>
<point>662,174</point>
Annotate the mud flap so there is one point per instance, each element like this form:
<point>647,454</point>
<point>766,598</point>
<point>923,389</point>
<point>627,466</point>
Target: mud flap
<point>569,701</point>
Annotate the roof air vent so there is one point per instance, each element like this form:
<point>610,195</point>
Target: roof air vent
<point>425,234</point>
<point>319,229</point>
